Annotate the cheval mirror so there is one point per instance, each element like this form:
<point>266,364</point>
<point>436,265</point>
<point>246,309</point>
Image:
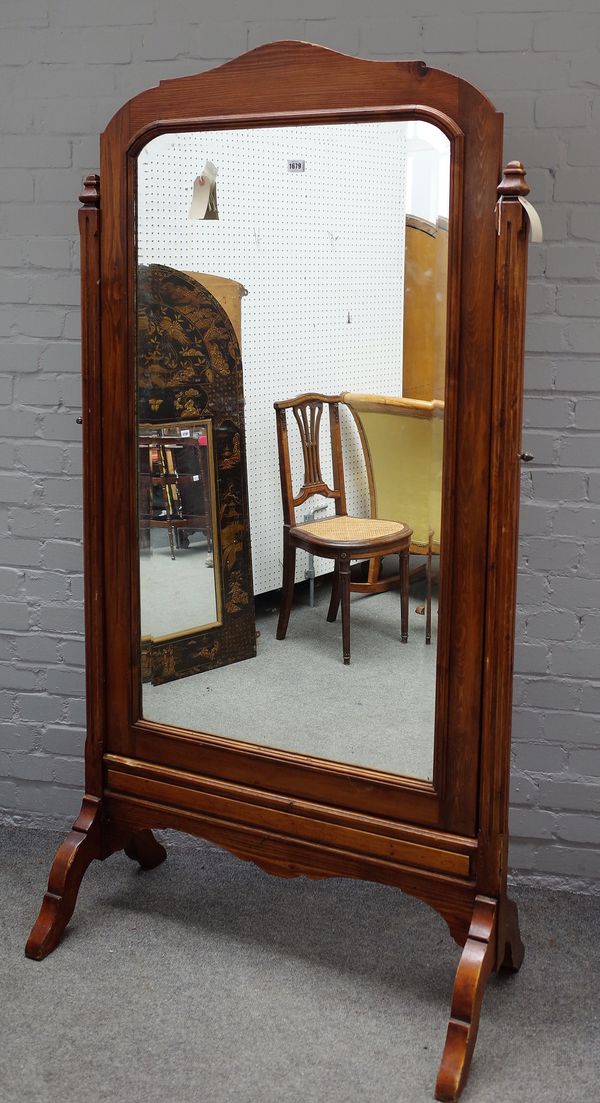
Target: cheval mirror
<point>303,306</point>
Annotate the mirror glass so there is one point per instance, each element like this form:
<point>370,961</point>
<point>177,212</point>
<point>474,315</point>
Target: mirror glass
<point>272,263</point>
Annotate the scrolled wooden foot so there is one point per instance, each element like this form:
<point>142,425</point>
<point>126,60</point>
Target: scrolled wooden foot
<point>475,966</point>
<point>145,849</point>
<point>81,846</point>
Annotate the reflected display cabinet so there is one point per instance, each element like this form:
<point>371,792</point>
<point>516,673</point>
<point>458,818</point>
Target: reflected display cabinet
<point>394,766</point>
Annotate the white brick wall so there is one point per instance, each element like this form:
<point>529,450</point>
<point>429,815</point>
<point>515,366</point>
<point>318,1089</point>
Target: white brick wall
<point>65,67</point>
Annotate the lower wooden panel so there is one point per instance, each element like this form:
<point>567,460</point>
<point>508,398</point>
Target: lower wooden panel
<point>298,776</point>
<point>293,838</point>
<point>371,835</point>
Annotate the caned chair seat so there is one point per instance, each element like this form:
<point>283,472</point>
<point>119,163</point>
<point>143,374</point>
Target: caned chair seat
<point>352,530</point>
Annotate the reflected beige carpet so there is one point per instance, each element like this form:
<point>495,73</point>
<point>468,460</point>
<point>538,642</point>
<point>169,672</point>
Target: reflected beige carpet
<point>298,695</point>
<point>176,594</point>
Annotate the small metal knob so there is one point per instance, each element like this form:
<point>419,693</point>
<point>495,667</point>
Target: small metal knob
<point>79,420</point>
<point>526,457</point>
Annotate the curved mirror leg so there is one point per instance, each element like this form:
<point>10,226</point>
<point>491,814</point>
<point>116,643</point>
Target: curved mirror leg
<point>145,849</point>
<point>81,846</point>
<point>475,966</point>
<point>83,843</point>
<point>510,946</point>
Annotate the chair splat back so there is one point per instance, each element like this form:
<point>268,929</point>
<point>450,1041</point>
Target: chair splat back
<point>308,412</point>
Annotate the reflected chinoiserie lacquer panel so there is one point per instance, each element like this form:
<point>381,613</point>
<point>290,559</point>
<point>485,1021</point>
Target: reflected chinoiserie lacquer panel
<point>196,597</point>
<point>267,269</point>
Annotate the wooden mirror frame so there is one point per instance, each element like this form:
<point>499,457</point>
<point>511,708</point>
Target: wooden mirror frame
<point>444,841</point>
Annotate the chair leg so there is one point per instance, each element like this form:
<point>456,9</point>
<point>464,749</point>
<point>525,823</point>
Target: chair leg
<point>344,571</point>
<point>287,592</point>
<point>428,605</point>
<point>334,603</point>
<point>404,584</point>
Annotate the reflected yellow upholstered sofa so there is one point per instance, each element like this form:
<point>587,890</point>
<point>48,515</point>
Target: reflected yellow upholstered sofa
<point>402,440</point>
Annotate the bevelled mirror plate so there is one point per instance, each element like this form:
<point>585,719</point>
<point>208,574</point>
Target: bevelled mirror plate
<point>272,263</point>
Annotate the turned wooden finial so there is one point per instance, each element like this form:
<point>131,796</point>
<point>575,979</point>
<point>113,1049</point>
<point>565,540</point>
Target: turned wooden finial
<point>513,181</point>
<point>90,194</point>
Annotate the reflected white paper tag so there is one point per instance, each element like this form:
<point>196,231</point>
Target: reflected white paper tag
<point>201,193</point>
<point>535,222</point>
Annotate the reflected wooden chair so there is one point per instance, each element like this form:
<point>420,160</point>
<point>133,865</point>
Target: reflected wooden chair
<point>402,440</point>
<point>341,538</point>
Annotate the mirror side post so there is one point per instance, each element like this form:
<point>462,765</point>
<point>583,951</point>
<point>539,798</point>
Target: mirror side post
<point>89,218</point>
<point>494,940</point>
<point>505,472</point>
<point>89,838</point>
<point>84,841</point>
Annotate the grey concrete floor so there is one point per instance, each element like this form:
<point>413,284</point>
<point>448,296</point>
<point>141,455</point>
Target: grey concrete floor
<point>209,981</point>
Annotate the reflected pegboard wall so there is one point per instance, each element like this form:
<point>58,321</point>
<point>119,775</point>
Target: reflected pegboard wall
<point>321,254</point>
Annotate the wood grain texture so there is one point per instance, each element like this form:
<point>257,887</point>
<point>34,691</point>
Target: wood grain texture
<point>81,846</point>
<point>463,562</point>
<point>306,819</point>
<point>119,395</point>
<point>257,792</point>
<point>290,856</point>
<point>91,837</point>
<point>322,86</point>
<point>507,403</point>
<point>373,792</point>
<point>444,842</point>
<point>476,964</point>
<point>84,841</point>
<point>93,511</point>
